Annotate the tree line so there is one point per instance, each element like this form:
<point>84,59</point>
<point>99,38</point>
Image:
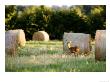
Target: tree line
<point>55,20</point>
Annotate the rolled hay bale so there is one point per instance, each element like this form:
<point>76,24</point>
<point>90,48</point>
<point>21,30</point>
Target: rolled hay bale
<point>41,36</point>
<point>77,39</point>
<point>13,40</point>
<point>100,45</point>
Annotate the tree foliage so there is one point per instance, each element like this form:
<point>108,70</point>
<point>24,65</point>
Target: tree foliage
<point>55,20</point>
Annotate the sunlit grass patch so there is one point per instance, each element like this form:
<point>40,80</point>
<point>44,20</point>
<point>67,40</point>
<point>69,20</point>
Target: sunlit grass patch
<point>38,56</point>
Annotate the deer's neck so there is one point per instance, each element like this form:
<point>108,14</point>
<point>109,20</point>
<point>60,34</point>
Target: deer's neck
<point>69,45</point>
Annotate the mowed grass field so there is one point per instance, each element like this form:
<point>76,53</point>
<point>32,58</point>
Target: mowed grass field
<point>39,56</point>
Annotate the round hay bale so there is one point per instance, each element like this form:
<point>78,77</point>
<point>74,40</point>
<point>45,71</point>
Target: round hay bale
<point>13,40</point>
<point>78,39</point>
<point>100,45</point>
<point>41,36</point>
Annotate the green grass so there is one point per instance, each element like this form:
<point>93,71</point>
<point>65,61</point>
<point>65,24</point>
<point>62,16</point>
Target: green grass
<point>38,56</point>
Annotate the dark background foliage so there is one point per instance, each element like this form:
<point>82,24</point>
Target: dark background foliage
<point>55,20</point>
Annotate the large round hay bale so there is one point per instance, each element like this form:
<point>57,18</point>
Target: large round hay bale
<point>13,40</point>
<point>78,39</point>
<point>100,45</point>
<point>41,36</point>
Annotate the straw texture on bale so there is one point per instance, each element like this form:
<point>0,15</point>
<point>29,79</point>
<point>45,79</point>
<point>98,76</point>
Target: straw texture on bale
<point>41,36</point>
<point>78,39</point>
<point>100,45</point>
<point>13,40</point>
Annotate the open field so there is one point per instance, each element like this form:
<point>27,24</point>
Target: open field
<point>38,56</point>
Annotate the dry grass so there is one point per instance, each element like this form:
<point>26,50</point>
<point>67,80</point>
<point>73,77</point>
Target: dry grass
<point>13,40</point>
<point>80,40</point>
<point>41,36</point>
<point>100,47</point>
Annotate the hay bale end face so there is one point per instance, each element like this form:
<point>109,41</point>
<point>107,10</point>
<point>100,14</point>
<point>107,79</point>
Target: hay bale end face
<point>13,40</point>
<point>77,39</point>
<point>100,45</point>
<point>41,36</point>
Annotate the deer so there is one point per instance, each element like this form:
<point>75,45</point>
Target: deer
<point>73,49</point>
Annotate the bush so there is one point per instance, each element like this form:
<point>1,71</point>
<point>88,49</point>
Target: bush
<point>56,20</point>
